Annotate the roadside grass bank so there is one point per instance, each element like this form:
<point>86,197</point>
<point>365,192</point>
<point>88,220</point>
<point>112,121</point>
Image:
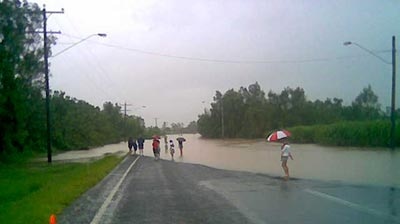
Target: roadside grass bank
<point>358,134</point>
<point>31,192</point>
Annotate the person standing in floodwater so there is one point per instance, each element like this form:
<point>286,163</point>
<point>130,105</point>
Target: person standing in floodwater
<point>166,143</point>
<point>172,149</point>
<point>135,146</point>
<point>130,144</point>
<point>285,154</point>
<point>140,142</point>
<point>180,144</point>
<point>156,148</point>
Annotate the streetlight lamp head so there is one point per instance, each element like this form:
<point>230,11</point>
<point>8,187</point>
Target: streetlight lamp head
<point>102,34</point>
<point>347,43</point>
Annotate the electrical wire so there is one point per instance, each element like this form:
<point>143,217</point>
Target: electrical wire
<point>311,60</point>
<point>93,81</point>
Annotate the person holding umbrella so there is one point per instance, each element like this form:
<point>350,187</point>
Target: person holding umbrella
<point>180,144</point>
<point>285,155</point>
<point>282,136</point>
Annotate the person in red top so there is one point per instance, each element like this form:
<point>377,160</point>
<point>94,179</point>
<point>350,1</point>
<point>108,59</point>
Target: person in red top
<point>156,148</point>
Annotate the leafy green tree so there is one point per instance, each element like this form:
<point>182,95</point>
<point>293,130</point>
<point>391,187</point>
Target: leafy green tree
<point>78,124</point>
<point>191,128</point>
<point>254,120</point>
<point>20,76</point>
<point>248,113</point>
<point>366,106</point>
<point>233,112</point>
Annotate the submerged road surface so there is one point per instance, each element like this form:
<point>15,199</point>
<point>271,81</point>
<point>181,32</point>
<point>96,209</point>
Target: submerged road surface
<point>141,190</point>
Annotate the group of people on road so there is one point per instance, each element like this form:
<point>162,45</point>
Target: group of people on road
<point>171,145</point>
<point>135,144</point>
<point>139,143</point>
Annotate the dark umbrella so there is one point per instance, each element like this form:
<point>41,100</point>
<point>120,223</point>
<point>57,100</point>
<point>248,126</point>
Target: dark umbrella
<point>181,139</point>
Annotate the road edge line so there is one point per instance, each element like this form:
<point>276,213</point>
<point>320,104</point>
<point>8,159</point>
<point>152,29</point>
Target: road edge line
<point>106,203</point>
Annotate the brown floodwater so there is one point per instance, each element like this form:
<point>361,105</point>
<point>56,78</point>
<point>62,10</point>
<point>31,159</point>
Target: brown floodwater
<point>353,165</point>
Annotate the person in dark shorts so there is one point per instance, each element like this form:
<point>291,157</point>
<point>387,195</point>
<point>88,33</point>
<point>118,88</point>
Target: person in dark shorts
<point>180,145</point>
<point>140,142</point>
<point>135,146</point>
<point>130,144</point>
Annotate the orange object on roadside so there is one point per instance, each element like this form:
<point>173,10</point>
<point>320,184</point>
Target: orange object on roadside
<point>53,219</point>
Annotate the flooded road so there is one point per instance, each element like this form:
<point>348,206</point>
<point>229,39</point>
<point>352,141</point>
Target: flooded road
<point>352,165</point>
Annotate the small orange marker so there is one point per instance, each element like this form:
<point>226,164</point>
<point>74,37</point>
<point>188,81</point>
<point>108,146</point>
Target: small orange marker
<point>53,219</point>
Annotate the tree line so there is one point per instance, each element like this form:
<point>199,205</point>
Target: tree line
<point>75,124</point>
<point>179,128</point>
<point>250,113</point>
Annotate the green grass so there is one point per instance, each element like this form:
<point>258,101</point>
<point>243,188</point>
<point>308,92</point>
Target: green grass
<point>31,192</point>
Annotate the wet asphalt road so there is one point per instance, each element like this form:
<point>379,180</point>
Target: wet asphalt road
<point>171,192</point>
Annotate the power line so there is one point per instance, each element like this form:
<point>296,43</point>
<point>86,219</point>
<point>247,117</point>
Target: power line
<point>213,60</point>
<point>92,60</point>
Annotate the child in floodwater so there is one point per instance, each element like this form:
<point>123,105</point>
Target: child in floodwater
<point>285,155</point>
<point>172,148</point>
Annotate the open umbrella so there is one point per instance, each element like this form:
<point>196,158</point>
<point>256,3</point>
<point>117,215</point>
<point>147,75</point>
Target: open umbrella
<point>278,135</point>
<point>181,139</point>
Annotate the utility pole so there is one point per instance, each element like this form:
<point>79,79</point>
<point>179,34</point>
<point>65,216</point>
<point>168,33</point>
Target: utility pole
<point>155,120</point>
<point>393,104</point>
<point>393,109</point>
<point>46,73</point>
<point>125,123</point>
<point>125,110</point>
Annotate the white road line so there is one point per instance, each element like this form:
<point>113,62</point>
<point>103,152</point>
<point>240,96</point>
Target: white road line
<point>96,219</point>
<point>353,205</point>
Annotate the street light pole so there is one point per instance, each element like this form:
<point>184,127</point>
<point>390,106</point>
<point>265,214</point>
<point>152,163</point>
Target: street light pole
<point>393,104</point>
<point>46,73</point>
<point>73,45</point>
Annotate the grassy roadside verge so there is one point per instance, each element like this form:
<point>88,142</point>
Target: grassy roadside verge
<point>31,192</point>
<point>347,133</point>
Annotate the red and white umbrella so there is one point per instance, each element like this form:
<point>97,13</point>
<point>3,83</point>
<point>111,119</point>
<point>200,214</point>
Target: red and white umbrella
<point>278,135</point>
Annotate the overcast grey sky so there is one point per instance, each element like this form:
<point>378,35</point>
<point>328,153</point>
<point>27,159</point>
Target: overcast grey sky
<point>299,42</point>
